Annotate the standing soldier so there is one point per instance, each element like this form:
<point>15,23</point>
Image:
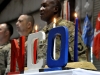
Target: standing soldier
<point>6,30</point>
<point>53,8</point>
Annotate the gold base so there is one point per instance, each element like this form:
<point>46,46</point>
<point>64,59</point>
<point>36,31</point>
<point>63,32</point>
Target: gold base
<point>83,65</point>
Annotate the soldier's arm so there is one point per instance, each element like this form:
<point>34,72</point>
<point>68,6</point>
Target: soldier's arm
<point>81,49</point>
<point>8,62</point>
<point>2,63</point>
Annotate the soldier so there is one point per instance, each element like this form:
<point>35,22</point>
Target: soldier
<point>49,10</point>
<point>6,30</point>
<point>24,27</point>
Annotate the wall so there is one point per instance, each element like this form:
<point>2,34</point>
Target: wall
<point>17,7</point>
<point>82,11</point>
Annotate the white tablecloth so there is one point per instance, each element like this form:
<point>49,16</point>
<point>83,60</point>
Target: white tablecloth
<point>65,72</point>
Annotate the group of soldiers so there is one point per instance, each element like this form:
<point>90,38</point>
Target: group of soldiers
<point>49,10</point>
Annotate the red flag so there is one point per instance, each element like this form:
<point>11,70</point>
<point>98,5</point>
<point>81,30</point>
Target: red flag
<point>96,40</point>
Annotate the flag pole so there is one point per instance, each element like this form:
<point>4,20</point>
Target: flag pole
<point>91,55</point>
<point>92,44</point>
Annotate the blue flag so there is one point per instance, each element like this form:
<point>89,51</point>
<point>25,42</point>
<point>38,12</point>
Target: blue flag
<point>88,32</point>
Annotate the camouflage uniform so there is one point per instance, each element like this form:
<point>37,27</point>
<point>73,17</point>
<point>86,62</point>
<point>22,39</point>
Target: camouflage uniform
<point>70,25</point>
<point>4,53</point>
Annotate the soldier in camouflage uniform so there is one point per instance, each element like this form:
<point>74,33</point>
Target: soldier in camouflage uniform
<point>6,30</point>
<point>49,10</point>
<point>24,25</point>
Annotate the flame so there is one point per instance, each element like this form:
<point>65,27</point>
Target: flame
<point>75,14</point>
<point>36,28</point>
<point>54,24</point>
<point>54,20</point>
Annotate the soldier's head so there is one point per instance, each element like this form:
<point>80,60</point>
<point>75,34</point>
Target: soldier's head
<point>50,9</point>
<point>25,24</point>
<point>6,30</point>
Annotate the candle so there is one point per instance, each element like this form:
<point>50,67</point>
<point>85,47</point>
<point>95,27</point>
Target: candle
<point>35,47</point>
<point>36,28</point>
<point>54,24</point>
<point>54,47</point>
<point>76,39</point>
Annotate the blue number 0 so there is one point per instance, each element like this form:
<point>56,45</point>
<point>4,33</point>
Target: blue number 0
<point>63,59</point>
